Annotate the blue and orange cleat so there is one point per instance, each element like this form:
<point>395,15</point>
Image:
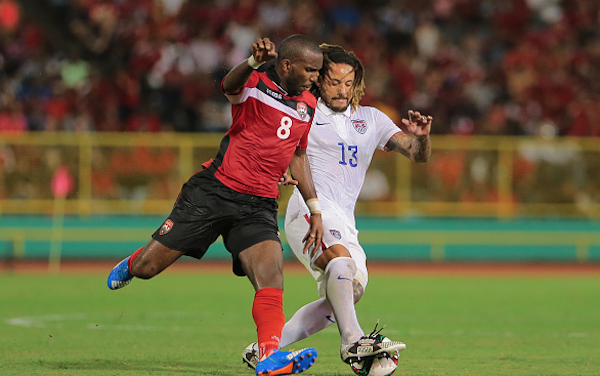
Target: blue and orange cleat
<point>120,276</point>
<point>287,362</point>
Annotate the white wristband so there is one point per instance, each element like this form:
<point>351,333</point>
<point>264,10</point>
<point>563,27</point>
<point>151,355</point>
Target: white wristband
<point>253,63</point>
<point>314,206</point>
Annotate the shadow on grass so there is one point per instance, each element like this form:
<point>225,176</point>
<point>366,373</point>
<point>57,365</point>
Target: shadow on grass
<point>112,367</point>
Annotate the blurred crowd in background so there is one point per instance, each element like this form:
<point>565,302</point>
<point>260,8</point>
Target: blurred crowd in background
<point>480,67</point>
<point>483,67</point>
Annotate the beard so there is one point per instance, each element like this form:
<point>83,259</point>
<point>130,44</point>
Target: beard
<point>336,108</point>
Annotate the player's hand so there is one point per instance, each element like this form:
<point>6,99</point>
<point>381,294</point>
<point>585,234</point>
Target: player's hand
<point>312,239</point>
<point>417,124</point>
<point>286,179</point>
<point>263,50</point>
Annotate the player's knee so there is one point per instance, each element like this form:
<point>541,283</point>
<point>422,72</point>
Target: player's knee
<point>144,270</point>
<point>344,267</point>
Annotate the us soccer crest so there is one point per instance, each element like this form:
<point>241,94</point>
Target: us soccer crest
<point>336,234</point>
<point>360,126</point>
<point>302,109</point>
<point>166,227</point>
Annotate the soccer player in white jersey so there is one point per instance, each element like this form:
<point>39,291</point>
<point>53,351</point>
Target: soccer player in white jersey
<point>341,144</point>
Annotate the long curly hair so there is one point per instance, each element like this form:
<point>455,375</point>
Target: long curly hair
<point>333,54</point>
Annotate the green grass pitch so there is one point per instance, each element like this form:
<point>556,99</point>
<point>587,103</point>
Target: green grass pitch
<point>198,324</point>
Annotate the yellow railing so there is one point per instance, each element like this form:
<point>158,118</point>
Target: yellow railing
<point>119,173</point>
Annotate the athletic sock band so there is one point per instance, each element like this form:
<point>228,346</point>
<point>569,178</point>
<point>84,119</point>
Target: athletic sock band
<point>133,257</point>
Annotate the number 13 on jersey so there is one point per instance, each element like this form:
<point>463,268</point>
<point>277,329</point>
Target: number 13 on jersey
<point>348,156</point>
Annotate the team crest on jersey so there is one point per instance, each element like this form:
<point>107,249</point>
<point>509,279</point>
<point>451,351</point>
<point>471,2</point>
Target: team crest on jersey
<point>166,227</point>
<point>360,126</point>
<point>336,234</point>
<point>302,109</point>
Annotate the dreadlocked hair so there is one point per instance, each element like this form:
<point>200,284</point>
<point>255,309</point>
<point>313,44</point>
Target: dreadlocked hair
<point>333,54</point>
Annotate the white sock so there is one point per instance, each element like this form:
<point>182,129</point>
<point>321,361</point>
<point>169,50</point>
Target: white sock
<point>308,320</point>
<point>340,294</point>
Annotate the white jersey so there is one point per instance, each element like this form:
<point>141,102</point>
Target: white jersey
<point>340,149</point>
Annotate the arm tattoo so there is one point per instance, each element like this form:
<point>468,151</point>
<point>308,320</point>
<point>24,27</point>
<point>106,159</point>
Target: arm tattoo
<point>410,146</point>
<point>400,142</point>
<point>421,150</point>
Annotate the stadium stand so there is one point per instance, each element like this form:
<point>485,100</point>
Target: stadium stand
<point>479,67</point>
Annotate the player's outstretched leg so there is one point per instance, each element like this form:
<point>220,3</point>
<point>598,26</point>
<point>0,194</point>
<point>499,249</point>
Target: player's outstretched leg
<point>287,362</point>
<point>120,276</point>
<point>371,345</point>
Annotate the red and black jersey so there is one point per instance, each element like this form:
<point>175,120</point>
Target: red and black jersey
<point>268,126</point>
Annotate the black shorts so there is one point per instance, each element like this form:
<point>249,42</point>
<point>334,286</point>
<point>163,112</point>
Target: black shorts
<point>206,208</point>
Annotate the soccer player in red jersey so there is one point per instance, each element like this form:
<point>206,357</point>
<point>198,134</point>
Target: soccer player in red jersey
<point>235,194</point>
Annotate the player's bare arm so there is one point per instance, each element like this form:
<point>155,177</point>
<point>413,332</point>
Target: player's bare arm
<point>300,170</point>
<point>263,50</point>
<point>414,144</point>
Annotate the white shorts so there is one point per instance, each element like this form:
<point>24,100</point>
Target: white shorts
<point>335,231</point>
